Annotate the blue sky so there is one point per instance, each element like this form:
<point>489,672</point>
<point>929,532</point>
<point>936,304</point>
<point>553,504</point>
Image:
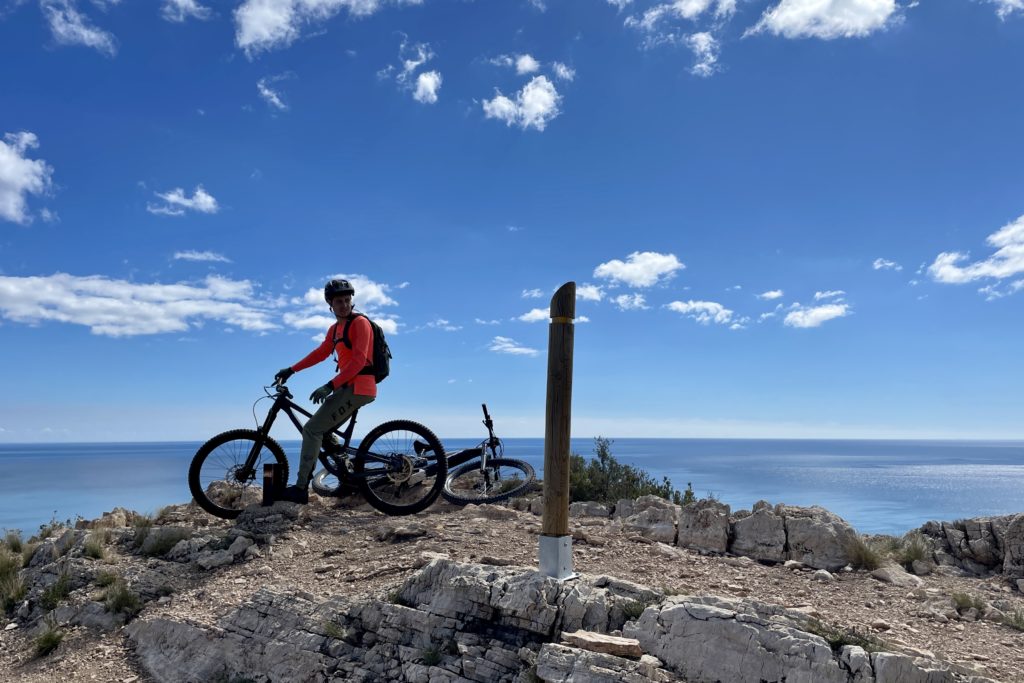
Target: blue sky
<point>791,218</point>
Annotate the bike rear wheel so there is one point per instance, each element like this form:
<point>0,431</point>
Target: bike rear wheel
<point>503,478</point>
<point>400,467</point>
<point>325,483</point>
<point>217,477</point>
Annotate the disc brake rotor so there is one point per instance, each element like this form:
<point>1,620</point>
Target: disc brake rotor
<point>401,469</point>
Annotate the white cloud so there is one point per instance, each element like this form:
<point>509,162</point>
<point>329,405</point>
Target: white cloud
<point>119,308</point>
<point>1007,261</point>
<point>526,64</point>
<point>627,302</point>
<point>582,319</point>
<point>1005,8</point>
<point>369,294</point>
<point>826,19</point>
<point>534,106</point>
<point>71,27</point>
<point>507,345</point>
<point>620,4</point>
<point>831,294</point>
<point>180,10</point>
<point>769,295</point>
<point>177,203</point>
<point>271,96</point>
<point>535,315</point>
<point>427,85</point>
<point>816,315</point>
<point>703,312</point>
<point>308,321</point>
<point>657,24</point>
<point>413,57</point>
<point>589,293</point>
<point>640,269</point>
<point>885,264</point>
<point>533,294</point>
<point>192,255</point>
<point>442,324</point>
<point>480,321</point>
<point>262,25</point>
<point>563,72</point>
<point>705,50</point>
<point>20,176</point>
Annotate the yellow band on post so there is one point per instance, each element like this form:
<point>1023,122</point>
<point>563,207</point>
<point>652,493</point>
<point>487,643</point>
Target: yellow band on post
<point>561,319</point>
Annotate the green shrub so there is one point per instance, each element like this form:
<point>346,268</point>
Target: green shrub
<point>688,495</point>
<point>13,541</point>
<point>27,551</point>
<point>167,540</point>
<point>56,591</point>
<point>837,637</point>
<point>142,524</point>
<point>105,578</point>
<point>633,609</point>
<point>914,547</point>
<point>864,555</point>
<point>49,639</point>
<point>49,529</point>
<point>121,598</point>
<point>12,588</point>
<point>333,630</point>
<point>1015,619</point>
<point>94,543</point>
<point>431,655</point>
<point>605,480</point>
<point>965,601</point>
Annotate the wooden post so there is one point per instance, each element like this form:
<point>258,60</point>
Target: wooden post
<point>555,542</point>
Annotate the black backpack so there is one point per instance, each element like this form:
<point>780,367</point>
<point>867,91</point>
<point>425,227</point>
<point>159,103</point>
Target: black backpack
<point>381,366</point>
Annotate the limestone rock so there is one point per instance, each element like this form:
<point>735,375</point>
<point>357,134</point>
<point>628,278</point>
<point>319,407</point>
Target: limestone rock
<point>817,537</point>
<point>562,664</point>
<point>599,642</point>
<point>1013,549</point>
<point>162,539</point>
<point>623,508</point>
<point>897,576</point>
<point>587,509</point>
<point>653,518</point>
<point>704,526</point>
<point>761,535</point>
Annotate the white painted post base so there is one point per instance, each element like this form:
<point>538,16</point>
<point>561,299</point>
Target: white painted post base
<point>555,555</point>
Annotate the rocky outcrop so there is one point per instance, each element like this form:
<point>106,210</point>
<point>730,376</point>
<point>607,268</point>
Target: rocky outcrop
<point>760,535</point>
<point>466,622</point>
<point>980,546</point>
<point>817,537</point>
<point>653,518</point>
<point>704,526</point>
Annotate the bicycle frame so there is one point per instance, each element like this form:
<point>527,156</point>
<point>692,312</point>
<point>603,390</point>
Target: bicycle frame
<point>283,403</point>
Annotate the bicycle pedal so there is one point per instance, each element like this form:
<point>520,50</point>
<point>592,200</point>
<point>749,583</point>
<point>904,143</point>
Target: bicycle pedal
<point>420,447</point>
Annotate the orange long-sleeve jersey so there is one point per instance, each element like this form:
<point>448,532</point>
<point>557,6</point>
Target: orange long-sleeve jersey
<point>350,361</point>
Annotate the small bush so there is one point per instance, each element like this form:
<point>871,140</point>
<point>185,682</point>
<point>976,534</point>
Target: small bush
<point>1015,620</point>
<point>142,524</point>
<point>94,543</point>
<point>105,578</point>
<point>167,540</point>
<point>49,529</point>
<point>965,601</point>
<point>121,598</point>
<point>688,495</point>
<point>13,541</point>
<point>913,548</point>
<point>27,551</point>
<point>431,655</point>
<point>864,555</point>
<point>333,630</point>
<point>633,609</point>
<point>605,480</point>
<point>12,588</point>
<point>837,637</point>
<point>57,591</point>
<point>49,639</point>
<point>395,598</point>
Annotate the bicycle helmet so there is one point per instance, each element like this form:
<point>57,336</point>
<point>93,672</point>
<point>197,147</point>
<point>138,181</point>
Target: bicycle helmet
<point>337,288</point>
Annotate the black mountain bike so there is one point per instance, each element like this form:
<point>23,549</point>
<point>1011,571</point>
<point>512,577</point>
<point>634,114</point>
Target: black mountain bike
<point>475,475</point>
<point>399,466</point>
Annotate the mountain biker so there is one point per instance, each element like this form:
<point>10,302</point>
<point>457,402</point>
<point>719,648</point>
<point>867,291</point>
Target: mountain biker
<point>348,391</point>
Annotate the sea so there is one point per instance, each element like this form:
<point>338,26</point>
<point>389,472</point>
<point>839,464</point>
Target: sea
<point>878,486</point>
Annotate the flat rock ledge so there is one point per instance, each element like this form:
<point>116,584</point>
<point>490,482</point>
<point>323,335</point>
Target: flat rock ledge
<point>456,622</point>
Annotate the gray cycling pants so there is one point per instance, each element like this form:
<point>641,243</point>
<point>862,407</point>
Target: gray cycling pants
<point>338,407</point>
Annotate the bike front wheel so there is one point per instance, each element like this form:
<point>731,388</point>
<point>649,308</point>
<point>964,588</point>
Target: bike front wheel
<point>218,478</point>
<point>503,478</point>
<point>400,467</point>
